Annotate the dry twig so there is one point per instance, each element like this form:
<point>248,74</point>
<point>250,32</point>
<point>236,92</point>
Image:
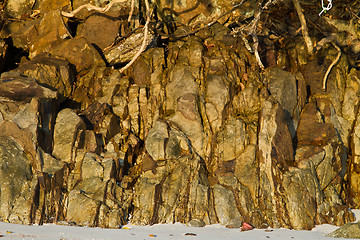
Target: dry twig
<point>251,30</point>
<point>304,28</point>
<point>131,10</point>
<point>92,7</point>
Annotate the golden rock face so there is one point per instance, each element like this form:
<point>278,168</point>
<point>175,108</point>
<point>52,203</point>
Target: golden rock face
<point>220,121</point>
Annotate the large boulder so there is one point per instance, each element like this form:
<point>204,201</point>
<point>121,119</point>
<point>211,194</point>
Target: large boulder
<point>68,135</point>
<point>16,175</point>
<point>349,230</point>
<point>49,71</point>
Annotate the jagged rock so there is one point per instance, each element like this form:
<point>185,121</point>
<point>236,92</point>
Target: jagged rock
<point>16,177</point>
<point>96,25</point>
<point>3,51</point>
<point>119,99</point>
<point>79,52</point>
<point>49,71</point>
<point>91,167</point>
<point>23,89</point>
<point>193,132</point>
<point>226,207</point>
<point>196,223</point>
<point>355,162</point>
<point>124,51</point>
<point>45,6</point>
<point>303,193</point>
<point>310,126</point>
<point>217,95</point>
<point>247,105</point>
<point>110,85</point>
<point>283,87</point>
<point>189,12</point>
<point>351,96</point>
<point>51,30</point>
<point>85,201</point>
<point>23,34</point>
<point>68,135</point>
<point>232,140</point>
<point>155,142</point>
<point>16,8</point>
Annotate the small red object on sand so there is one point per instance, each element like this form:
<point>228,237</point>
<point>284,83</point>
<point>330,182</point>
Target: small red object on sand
<point>246,227</point>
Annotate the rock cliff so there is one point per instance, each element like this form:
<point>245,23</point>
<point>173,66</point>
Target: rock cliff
<point>225,117</point>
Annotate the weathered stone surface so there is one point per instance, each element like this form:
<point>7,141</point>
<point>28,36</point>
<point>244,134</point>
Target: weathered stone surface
<point>189,12</point>
<point>16,175</point>
<point>91,167</point>
<point>310,126</point>
<point>16,8</point>
<point>303,193</point>
<point>85,201</point>
<point>3,50</point>
<point>283,87</point>
<point>68,134</point>
<point>79,52</point>
<point>193,132</point>
<point>351,99</point>
<point>349,230</point>
<point>225,207</point>
<point>51,30</point>
<point>23,89</point>
<point>49,71</point>
<point>97,25</point>
<point>126,50</point>
<point>156,140</point>
<point>217,95</point>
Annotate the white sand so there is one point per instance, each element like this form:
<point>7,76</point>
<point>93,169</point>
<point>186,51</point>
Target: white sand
<point>159,232</point>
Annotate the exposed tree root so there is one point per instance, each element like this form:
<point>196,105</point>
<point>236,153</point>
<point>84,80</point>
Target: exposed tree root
<point>336,60</point>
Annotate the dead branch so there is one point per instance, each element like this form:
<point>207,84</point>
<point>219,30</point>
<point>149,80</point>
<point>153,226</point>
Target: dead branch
<point>336,60</point>
<point>131,10</point>
<point>90,7</point>
<point>304,28</point>
<point>251,30</point>
<point>256,52</point>
<point>146,32</point>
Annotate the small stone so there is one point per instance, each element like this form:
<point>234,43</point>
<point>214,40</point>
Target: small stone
<point>196,223</point>
<point>190,234</point>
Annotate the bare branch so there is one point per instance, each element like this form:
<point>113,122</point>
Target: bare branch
<point>304,28</point>
<point>252,27</point>
<point>131,10</point>
<point>90,7</point>
<point>256,52</point>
